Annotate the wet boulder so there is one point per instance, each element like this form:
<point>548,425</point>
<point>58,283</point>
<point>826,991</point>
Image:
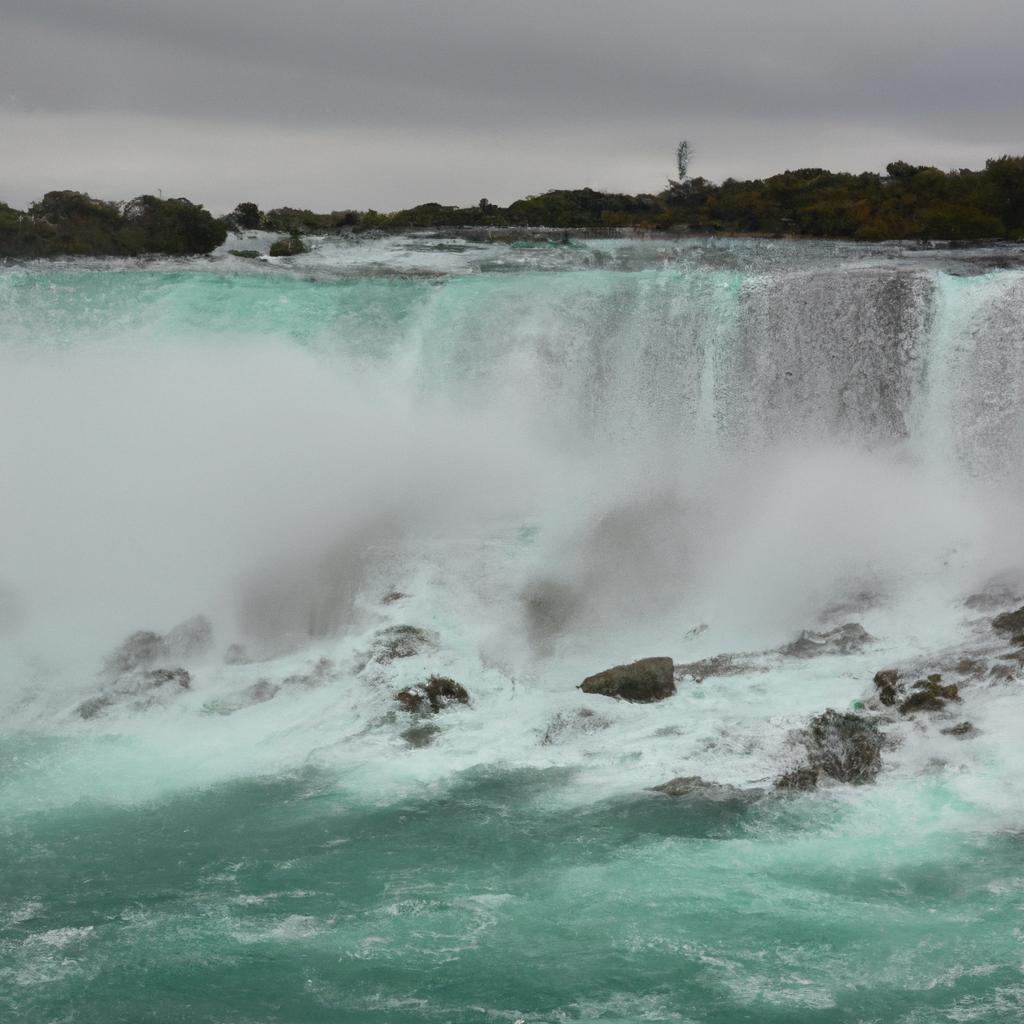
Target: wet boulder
<point>190,639</point>
<point>719,665</point>
<point>144,648</point>
<point>141,649</point>
<point>436,694</point>
<point>846,639</point>
<point>929,695</point>
<point>403,641</point>
<point>887,684</point>
<point>138,691</point>
<point>573,724</point>
<point>419,736</point>
<point>799,779</point>
<point>1010,622</point>
<point>841,745</point>
<point>642,682</point>
<point>845,746</point>
<point>695,786</point>
<point>962,730</point>
<point>291,246</point>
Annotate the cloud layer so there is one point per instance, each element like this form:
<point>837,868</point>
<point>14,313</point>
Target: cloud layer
<point>384,103</point>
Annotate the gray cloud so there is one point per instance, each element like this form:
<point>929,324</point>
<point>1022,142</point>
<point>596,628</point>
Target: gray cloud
<point>474,96</point>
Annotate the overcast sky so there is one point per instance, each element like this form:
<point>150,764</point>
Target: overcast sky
<point>334,104</point>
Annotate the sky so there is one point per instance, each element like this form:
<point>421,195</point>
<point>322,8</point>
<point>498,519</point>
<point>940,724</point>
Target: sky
<point>356,104</point>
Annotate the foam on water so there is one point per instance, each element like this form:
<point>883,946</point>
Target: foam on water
<point>558,459</point>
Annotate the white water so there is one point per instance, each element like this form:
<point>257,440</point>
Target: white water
<point>735,436</point>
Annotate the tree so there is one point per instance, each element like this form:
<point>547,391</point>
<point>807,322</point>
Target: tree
<point>683,153</point>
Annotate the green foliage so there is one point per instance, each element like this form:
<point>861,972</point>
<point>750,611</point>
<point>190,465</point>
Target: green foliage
<point>68,223</point>
<point>911,201</point>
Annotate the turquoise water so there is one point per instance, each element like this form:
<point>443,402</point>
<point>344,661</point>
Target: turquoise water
<point>691,449</point>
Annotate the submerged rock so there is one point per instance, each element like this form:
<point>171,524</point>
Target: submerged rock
<point>583,720</point>
<point>403,641</point>
<point>419,736</point>
<point>841,745</point>
<point>719,665</point>
<point>798,779</point>
<point>844,746</point>
<point>642,682</point>
<point>929,695</point>
<point>845,639</point>
<point>432,696</point>
<point>961,730</point>
<point>138,692</point>
<point>1010,622</point>
<point>694,785</point>
<point>237,654</point>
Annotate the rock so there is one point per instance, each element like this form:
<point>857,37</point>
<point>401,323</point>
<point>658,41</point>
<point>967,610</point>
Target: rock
<point>190,638</point>
<point>1010,622</point>
<point>642,682</point>
<point>995,595</point>
<point>137,691</point>
<point>798,779</point>
<point>400,642</point>
<point>392,597</point>
<point>260,692</point>
<point>139,650</point>
<point>971,666</point>
<point>245,254</point>
<point>694,785</point>
<point>929,695</point>
<point>418,736</point>
<point>886,683</point>
<point>167,677</point>
<point>583,720</point>
<point>237,654</point>
<point>292,246</point>
<point>845,746</point>
<point>845,639</point>
<point>719,665</point>
<point>432,696</point>
<point>961,729</point>
<point>320,674</point>
<point>1002,672</point>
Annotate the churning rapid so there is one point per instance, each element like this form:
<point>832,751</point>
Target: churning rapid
<point>303,562</point>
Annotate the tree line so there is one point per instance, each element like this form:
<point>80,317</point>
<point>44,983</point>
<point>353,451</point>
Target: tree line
<point>907,202</point>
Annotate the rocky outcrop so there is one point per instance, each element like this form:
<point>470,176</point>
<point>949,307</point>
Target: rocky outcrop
<point>138,692</point>
<point>887,684</point>
<point>929,695</point>
<point>189,639</point>
<point>846,639</point>
<point>1010,622</point>
<point>436,694</point>
<point>403,641</point>
<point>842,746</point>
<point>642,682</point>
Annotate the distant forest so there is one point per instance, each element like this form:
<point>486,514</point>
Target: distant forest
<point>908,202</point>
